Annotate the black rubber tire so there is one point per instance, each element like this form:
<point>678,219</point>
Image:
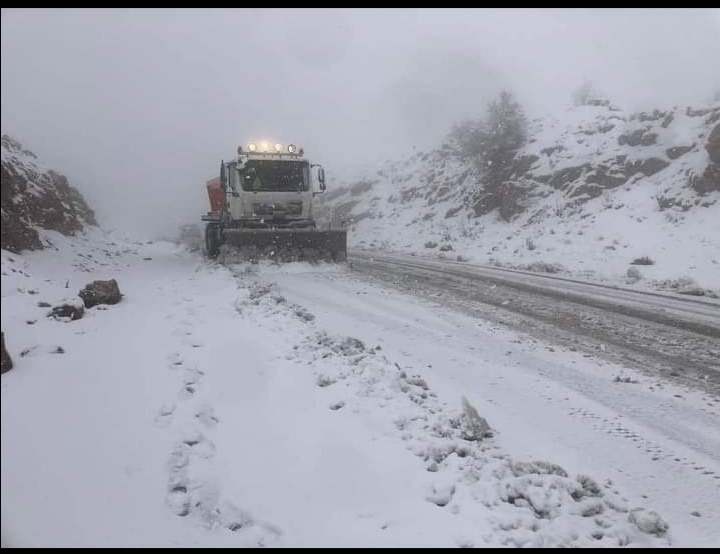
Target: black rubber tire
<point>212,240</point>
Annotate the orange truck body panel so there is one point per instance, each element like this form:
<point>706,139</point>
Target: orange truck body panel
<point>216,195</point>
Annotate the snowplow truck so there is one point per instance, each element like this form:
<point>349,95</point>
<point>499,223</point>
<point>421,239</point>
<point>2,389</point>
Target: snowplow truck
<point>261,207</point>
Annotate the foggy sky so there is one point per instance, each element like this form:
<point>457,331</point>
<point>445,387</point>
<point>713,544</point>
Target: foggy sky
<point>137,107</point>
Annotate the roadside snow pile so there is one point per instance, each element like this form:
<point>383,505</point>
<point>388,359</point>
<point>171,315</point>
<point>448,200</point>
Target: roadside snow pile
<point>591,190</point>
<point>505,501</point>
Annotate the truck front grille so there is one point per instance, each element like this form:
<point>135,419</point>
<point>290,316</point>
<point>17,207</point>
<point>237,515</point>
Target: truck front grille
<point>278,210</point>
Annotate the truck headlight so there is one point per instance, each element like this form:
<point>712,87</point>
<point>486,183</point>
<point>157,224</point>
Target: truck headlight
<point>252,147</point>
<point>292,148</point>
<point>278,147</point>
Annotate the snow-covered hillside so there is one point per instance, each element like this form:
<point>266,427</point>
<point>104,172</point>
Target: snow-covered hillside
<point>36,198</point>
<point>592,190</point>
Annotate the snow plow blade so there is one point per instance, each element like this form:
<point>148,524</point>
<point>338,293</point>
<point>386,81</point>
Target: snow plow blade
<point>283,245</point>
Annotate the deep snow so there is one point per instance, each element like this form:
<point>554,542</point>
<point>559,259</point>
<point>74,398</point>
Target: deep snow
<point>302,406</point>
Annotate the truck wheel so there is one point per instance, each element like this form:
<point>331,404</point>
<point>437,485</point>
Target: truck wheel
<point>212,240</point>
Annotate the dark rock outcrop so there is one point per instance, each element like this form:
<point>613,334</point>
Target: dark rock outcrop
<point>101,292</point>
<point>713,144</point>
<point>647,167</point>
<point>708,181</point>
<point>676,151</point>
<point>639,137</point>
<point>34,198</point>
<point>6,364</point>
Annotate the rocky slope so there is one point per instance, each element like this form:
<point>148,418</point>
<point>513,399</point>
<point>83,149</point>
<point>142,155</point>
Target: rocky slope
<point>36,198</point>
<point>592,189</point>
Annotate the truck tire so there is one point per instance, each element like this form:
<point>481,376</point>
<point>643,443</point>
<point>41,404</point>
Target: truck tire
<point>212,240</point>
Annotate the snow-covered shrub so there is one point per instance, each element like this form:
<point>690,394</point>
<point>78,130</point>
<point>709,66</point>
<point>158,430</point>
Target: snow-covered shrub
<point>474,427</point>
<point>644,260</point>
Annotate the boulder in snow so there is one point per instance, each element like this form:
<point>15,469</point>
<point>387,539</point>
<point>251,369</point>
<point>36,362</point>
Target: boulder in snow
<point>101,292</point>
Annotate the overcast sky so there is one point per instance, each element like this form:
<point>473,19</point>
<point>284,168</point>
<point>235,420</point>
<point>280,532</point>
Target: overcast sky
<point>137,107</point>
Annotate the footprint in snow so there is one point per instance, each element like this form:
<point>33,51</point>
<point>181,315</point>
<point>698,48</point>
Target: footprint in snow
<point>188,391</point>
<point>199,445</point>
<point>164,416</point>
<point>175,360</point>
<point>207,417</point>
<point>179,500</point>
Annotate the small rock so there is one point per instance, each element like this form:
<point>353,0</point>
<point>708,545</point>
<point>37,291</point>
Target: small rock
<point>71,310</point>
<point>337,405</point>
<point>43,305</point>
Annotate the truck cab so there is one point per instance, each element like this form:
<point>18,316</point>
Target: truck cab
<point>266,189</point>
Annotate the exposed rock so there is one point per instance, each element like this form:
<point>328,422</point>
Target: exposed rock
<point>653,116</point>
<point>605,177</point>
<point>34,198</point>
<point>676,151</point>
<point>639,137</point>
<point>708,182</point>
<point>713,144</point>
<point>453,211</point>
<point>71,310</point>
<point>561,178</point>
<point>101,292</point>
<point>667,121</point>
<point>550,150</point>
<point>647,167</point>
<point>6,364</point>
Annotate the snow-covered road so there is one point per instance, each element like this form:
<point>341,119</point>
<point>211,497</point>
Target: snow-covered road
<point>695,314</point>
<point>304,405</point>
<point>670,335</point>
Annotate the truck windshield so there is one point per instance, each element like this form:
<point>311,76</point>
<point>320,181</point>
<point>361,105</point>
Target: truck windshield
<point>275,176</point>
